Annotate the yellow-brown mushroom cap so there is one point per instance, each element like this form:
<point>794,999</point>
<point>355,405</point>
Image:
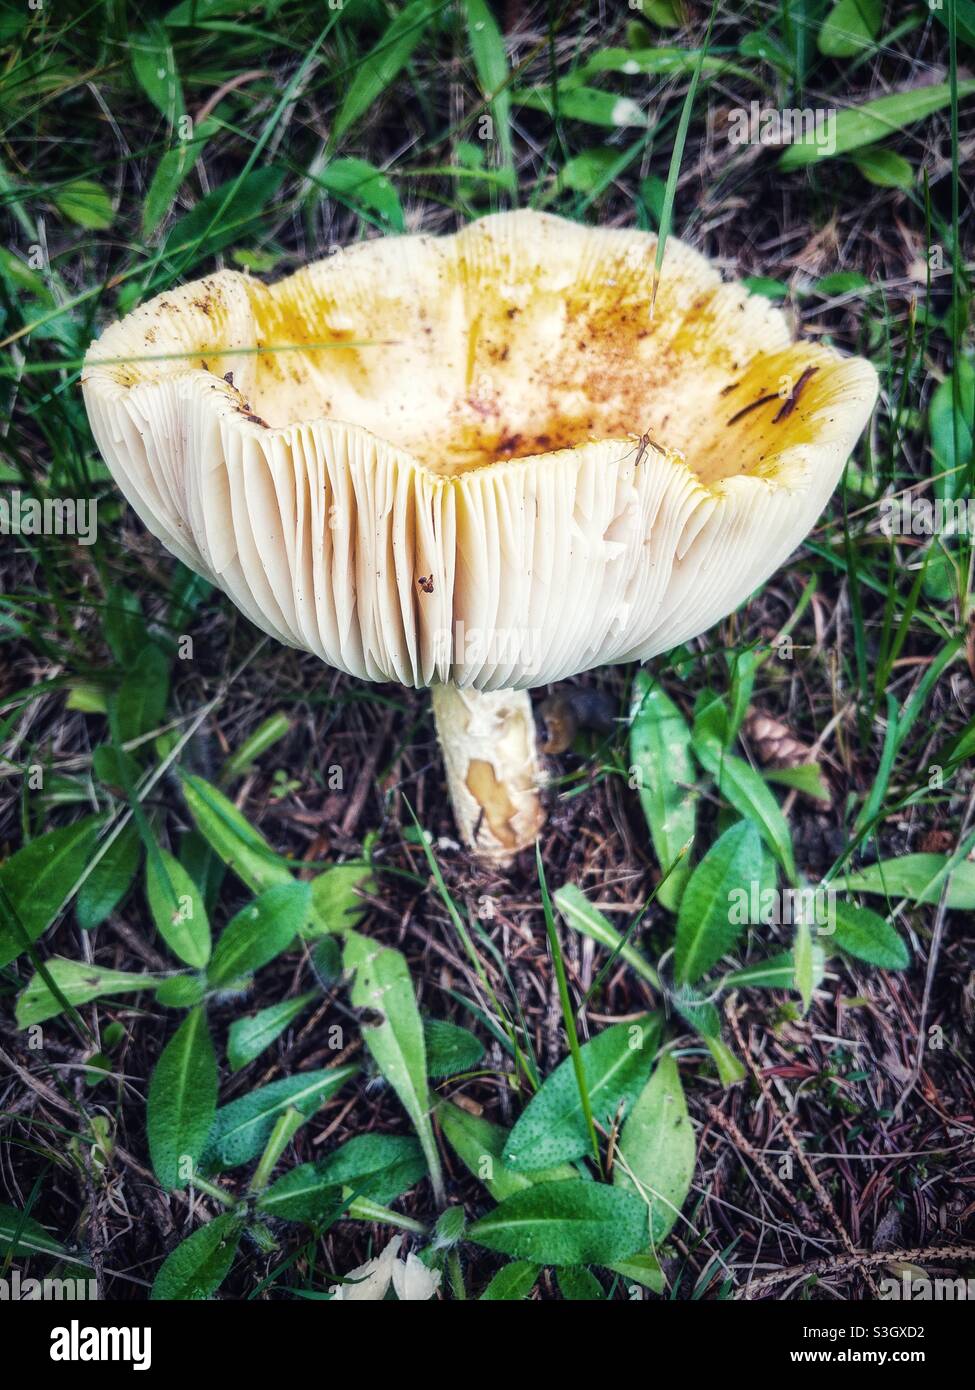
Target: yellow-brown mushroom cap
<point>425,464</point>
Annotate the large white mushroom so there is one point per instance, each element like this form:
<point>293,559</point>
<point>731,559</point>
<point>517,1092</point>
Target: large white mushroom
<point>478,463</point>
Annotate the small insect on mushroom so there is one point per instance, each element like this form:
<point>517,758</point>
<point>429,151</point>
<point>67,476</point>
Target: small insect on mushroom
<point>426,583</point>
<point>643,444</point>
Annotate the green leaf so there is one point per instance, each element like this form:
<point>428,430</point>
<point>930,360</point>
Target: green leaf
<point>382,64</point>
<point>141,698</point>
<point>79,983</point>
<point>802,952</point>
<point>109,880</point>
<point>885,168</point>
<point>242,1128</point>
<point>182,1101</point>
<point>744,789</point>
<point>512,1283</point>
<point>806,778</point>
<point>565,1223</point>
<point>249,1037</point>
<point>657,1150</point>
<point>259,932</point>
<point>856,126</point>
<point>38,881</point>
<point>579,1285</point>
<point>841,282</point>
<point>480,1145</point>
<point>943,428</point>
<point>777,972</point>
<point>177,909</point>
<point>230,213</point>
<point>493,72</point>
<point>706,929</point>
<point>382,984</point>
<point>181,991</point>
<point>850,28</point>
<point>335,902</point>
<point>587,171</point>
<point>232,837</point>
<point>770,289</point>
<point>450,1049</point>
<point>86,203</point>
<point>170,174</point>
<point>20,1234</point>
<point>200,1264</point>
<point>867,936</point>
<point>582,916</point>
<point>378,1166</point>
<point>631,61</point>
<point>154,65</point>
<point>729,1068</point>
<point>919,877</point>
<point>660,757</point>
<point>587,104</point>
<point>552,1128</point>
<point>359,184</point>
<point>641,1269</point>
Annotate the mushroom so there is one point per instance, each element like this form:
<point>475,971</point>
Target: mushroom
<point>478,463</point>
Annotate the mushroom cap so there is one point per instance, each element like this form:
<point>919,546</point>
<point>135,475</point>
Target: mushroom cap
<point>480,458</point>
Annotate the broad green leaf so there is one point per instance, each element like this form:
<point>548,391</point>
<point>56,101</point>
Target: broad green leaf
<point>802,954</point>
<point>656,1148</point>
<point>109,880</point>
<point>552,1128</point>
<point>856,126</point>
<point>588,170</point>
<point>359,184</point>
<point>248,1037</point>
<point>200,1264</point>
<point>381,65</point>
<point>181,991</point>
<point>154,65</point>
<point>746,791</point>
<point>378,1166</point>
<point>632,61</point>
<point>707,928</point>
<point>86,203</point>
<point>230,213</point>
<point>38,879</point>
<point>232,837</point>
<point>182,1101</point>
<point>480,1144</point>
<point>730,1068</point>
<point>777,972</point>
<point>259,932</point>
<point>20,1234</point>
<point>641,1269</point>
<point>512,1283</point>
<point>450,1049</point>
<point>335,902</point>
<point>661,762</point>
<point>141,698</point>
<point>919,877</point>
<point>587,104</point>
<point>493,72</point>
<point>806,778</point>
<point>79,983</point>
<point>867,936</point>
<point>580,914</point>
<point>885,168</point>
<point>850,28</point>
<point>944,427</point>
<point>577,1284</point>
<point>177,910</point>
<point>242,1128</point>
<point>170,174</point>
<point>565,1223</point>
<point>841,282</point>
<point>381,983</point>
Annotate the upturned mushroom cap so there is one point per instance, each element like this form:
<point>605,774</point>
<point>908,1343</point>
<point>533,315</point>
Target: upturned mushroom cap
<point>424,464</point>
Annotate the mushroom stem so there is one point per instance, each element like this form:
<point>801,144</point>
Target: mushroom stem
<point>489,751</point>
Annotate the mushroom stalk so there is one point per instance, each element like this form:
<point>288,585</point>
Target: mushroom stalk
<point>493,771</point>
